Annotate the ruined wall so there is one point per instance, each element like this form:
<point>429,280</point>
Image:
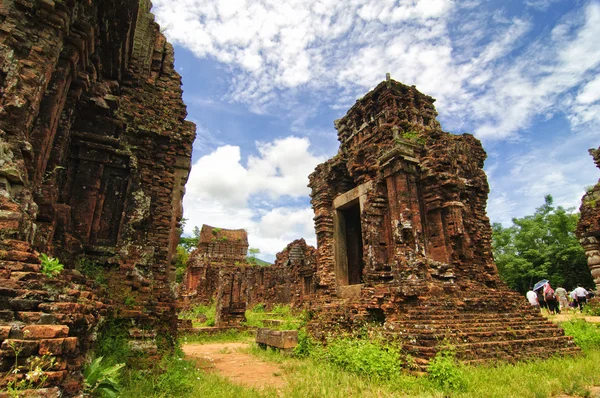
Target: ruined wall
<point>403,239</point>
<point>94,155</point>
<point>421,192</point>
<point>588,227</point>
<point>291,280</point>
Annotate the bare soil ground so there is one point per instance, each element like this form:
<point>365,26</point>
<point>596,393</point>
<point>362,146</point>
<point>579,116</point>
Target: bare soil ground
<point>568,316</point>
<point>241,368</point>
<point>594,393</point>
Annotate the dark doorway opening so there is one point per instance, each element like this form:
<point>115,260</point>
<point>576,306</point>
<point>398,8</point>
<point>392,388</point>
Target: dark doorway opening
<point>354,244</point>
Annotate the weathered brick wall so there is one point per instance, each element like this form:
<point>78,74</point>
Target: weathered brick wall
<point>94,155</point>
<point>403,239</point>
<point>291,280</point>
<point>588,227</point>
<point>422,192</point>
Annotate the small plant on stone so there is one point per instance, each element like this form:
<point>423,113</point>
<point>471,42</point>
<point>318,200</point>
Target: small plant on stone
<point>102,380</point>
<point>50,266</point>
<point>30,377</point>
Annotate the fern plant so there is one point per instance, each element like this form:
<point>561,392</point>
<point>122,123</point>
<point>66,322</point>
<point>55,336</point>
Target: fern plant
<point>102,380</point>
<point>50,266</point>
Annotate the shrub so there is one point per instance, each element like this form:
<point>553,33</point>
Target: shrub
<point>585,334</point>
<point>209,311</point>
<point>101,379</point>
<point>50,266</point>
<point>444,371</point>
<point>592,308</point>
<point>364,357</point>
<point>306,345</point>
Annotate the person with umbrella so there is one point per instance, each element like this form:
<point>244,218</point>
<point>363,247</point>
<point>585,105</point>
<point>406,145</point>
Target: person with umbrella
<point>550,298</point>
<point>537,288</point>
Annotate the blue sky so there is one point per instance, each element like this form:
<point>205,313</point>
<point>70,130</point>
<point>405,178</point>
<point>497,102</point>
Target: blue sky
<point>264,80</point>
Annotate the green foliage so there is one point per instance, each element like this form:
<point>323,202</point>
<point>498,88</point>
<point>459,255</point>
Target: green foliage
<point>252,253</point>
<point>181,259</point>
<point>186,245</point>
<point>174,376</point>
<point>113,342</point>
<point>585,334</point>
<point>445,372</point>
<point>50,266</point>
<point>306,346</point>
<point>592,308</point>
<point>101,379</point>
<point>228,335</point>
<point>189,243</point>
<point>364,357</point>
<point>256,316</point>
<point>412,135</point>
<point>209,311</point>
<point>33,374</point>
<point>129,301</point>
<point>542,245</point>
<point>93,270</point>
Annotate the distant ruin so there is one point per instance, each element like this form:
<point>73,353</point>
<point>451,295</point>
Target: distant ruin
<point>219,271</point>
<point>403,240</point>
<point>94,156</point>
<point>588,227</point>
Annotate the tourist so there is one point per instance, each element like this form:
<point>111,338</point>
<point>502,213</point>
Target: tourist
<point>563,299</point>
<point>532,297</point>
<point>540,296</point>
<point>581,296</point>
<point>573,296</point>
<point>550,298</point>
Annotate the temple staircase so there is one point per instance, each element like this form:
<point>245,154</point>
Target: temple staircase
<point>480,329</point>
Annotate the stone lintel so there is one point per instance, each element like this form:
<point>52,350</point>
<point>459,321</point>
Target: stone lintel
<point>360,193</point>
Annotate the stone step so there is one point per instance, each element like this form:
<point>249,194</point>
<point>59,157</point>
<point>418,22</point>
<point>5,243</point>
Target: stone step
<point>433,339</point>
<point>495,349</point>
<point>466,315</point>
<point>466,322</point>
<point>468,327</point>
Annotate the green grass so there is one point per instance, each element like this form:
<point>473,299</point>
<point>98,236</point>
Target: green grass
<point>256,316</point>
<point>228,336</point>
<point>207,310</point>
<point>342,370</point>
<point>176,377</point>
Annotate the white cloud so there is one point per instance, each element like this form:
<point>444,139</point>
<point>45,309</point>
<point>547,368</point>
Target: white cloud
<point>221,191</point>
<point>557,168</point>
<point>476,63</point>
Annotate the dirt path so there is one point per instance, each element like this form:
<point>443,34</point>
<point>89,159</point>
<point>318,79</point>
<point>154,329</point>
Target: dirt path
<point>594,393</point>
<point>239,367</point>
<point>571,316</point>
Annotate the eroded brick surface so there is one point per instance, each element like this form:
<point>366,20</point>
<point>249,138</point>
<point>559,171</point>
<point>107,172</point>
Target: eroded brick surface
<point>588,227</point>
<point>404,242</point>
<point>218,270</point>
<point>94,155</point>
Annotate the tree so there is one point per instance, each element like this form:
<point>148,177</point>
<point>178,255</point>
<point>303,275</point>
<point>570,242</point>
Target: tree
<point>542,245</point>
<point>189,243</point>
<point>185,246</point>
<point>253,252</point>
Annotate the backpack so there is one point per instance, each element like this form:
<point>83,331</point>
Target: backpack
<point>549,295</point>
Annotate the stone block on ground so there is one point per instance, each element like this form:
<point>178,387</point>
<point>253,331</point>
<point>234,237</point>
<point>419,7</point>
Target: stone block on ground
<point>282,339</point>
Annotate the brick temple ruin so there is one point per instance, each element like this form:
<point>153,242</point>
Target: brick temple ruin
<point>588,227</point>
<point>94,155</point>
<point>219,271</point>
<point>404,242</point>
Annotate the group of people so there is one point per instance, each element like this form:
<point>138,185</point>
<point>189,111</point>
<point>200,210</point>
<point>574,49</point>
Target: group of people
<point>559,299</point>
